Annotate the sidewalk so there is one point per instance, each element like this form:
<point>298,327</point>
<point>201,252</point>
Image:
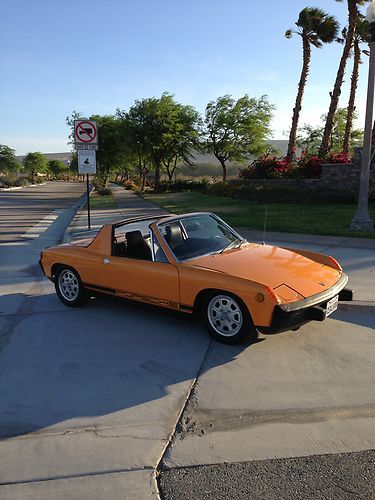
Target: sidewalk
<point>129,206</point>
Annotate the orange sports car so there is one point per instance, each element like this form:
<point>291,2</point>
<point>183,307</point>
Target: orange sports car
<point>197,263</point>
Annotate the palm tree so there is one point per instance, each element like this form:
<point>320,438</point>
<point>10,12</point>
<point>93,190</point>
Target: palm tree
<point>335,94</point>
<point>361,35</point>
<point>315,27</point>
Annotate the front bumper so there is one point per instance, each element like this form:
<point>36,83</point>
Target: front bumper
<point>283,320</point>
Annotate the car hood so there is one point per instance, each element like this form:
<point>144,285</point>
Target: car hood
<point>290,274</point>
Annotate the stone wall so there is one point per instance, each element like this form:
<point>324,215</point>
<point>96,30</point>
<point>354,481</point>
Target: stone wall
<point>345,176</point>
<point>341,176</point>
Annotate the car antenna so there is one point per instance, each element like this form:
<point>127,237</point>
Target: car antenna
<point>264,227</point>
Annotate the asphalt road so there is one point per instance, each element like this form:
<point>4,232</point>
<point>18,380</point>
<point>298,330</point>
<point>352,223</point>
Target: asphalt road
<point>323,477</point>
<point>22,209</point>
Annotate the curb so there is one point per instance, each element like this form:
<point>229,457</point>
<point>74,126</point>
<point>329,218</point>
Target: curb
<point>76,208</point>
<point>23,187</point>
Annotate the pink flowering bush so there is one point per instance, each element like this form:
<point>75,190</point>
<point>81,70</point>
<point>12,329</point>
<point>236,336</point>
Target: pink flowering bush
<point>338,157</point>
<point>310,166</point>
<point>306,166</point>
<point>267,167</point>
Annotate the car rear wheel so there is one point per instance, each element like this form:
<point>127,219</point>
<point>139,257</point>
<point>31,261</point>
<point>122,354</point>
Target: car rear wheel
<point>69,287</point>
<point>227,318</point>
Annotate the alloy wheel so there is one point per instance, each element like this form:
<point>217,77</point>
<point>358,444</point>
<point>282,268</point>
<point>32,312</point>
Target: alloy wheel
<point>225,315</point>
<point>68,285</point>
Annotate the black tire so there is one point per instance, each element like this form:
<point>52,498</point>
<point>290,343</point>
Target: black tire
<point>227,318</point>
<point>69,287</point>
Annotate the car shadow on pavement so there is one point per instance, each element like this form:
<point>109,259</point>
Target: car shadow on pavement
<point>95,365</point>
<point>358,315</point>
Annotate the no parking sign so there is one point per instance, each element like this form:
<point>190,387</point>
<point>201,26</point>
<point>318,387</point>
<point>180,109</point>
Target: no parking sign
<point>85,132</point>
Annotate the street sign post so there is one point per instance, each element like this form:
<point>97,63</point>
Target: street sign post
<point>86,144</point>
<point>87,165</point>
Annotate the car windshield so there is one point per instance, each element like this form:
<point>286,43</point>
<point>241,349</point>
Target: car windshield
<point>197,235</point>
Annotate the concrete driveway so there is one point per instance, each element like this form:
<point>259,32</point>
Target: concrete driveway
<point>94,401</point>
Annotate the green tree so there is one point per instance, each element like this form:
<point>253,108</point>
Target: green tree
<point>111,151</point>
<point>182,138</point>
<point>158,132</point>
<point>57,167</point>
<point>73,166</point>
<point>137,127</point>
<point>315,27</point>
<point>310,138</point>
<point>234,130</point>
<point>353,14</point>
<point>35,163</point>
<point>361,35</point>
<point>8,162</point>
<point>69,120</point>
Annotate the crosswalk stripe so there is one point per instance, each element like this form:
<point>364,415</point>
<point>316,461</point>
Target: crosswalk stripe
<point>42,225</point>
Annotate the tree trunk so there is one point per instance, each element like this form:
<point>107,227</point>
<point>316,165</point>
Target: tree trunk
<point>157,176</point>
<point>297,108</point>
<point>222,161</point>
<point>353,16</point>
<point>351,103</point>
<point>171,171</point>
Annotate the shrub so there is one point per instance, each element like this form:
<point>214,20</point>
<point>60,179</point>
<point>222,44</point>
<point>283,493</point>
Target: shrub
<point>130,185</point>
<point>184,185</point>
<point>267,167</point>
<point>20,181</point>
<point>229,189</point>
<point>104,191</point>
<point>342,157</point>
<point>310,166</point>
<point>8,181</point>
<point>307,166</point>
<point>276,193</point>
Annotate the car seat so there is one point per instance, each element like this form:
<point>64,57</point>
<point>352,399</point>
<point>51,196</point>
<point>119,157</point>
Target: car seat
<point>137,248</point>
<point>173,235</point>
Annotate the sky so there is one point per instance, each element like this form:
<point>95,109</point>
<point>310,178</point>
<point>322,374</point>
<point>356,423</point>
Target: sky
<point>96,56</point>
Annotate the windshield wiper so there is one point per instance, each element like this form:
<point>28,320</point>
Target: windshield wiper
<point>234,244</point>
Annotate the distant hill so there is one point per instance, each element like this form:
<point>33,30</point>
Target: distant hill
<point>281,145</point>
<point>64,157</point>
<point>207,164</point>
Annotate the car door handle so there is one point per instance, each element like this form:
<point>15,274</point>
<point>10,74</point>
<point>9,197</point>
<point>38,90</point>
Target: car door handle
<point>106,261</point>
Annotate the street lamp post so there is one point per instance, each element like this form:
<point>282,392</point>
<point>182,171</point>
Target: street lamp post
<point>362,220</point>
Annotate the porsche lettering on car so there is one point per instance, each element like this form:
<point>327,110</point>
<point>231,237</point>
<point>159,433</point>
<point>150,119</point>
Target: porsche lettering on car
<point>196,263</point>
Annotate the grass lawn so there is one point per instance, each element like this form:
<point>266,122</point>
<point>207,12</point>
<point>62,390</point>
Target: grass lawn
<point>98,202</point>
<point>284,217</point>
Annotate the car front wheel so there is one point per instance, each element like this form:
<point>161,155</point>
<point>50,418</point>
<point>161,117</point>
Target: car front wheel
<point>69,287</point>
<point>227,319</point>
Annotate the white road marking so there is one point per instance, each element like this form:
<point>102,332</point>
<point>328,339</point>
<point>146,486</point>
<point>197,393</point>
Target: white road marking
<point>42,225</point>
